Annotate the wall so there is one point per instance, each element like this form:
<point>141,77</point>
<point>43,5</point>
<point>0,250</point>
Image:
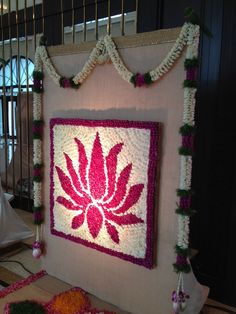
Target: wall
<point>106,96</point>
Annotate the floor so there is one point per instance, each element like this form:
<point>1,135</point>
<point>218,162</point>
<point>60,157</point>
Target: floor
<point>11,270</point>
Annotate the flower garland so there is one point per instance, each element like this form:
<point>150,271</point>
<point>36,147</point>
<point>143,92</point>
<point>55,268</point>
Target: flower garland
<point>105,49</point>
<point>184,210</point>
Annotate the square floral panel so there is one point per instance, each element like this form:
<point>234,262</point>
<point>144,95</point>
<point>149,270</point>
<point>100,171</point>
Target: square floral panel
<point>102,185</point>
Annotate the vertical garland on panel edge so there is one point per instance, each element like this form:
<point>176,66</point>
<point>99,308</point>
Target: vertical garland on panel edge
<point>184,210</point>
<point>38,245</point>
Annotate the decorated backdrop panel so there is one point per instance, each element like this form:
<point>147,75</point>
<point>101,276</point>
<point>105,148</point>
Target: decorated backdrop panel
<point>105,95</point>
<point>102,185</point>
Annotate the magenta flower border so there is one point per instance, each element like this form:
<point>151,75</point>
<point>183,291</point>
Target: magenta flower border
<point>22,283</point>
<point>154,128</point>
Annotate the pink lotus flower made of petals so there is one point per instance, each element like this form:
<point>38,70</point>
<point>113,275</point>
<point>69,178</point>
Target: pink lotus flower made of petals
<point>99,195</point>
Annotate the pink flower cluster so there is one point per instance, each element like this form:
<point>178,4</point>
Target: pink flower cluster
<point>65,83</point>
<point>139,79</point>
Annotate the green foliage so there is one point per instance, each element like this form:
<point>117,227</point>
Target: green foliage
<point>38,123</point>
<point>185,151</point>
<point>38,75</point>
<point>190,83</point>
<point>72,83</point>
<point>37,136</point>
<point>180,251</point>
<point>186,129</point>
<point>133,80</point>
<point>147,78</point>
<point>191,63</point>
<point>38,90</point>
<point>184,193</point>
<point>191,16</point>
<point>182,268</point>
<point>38,166</point>
<point>185,212</point>
<point>43,41</point>
<point>38,222</point>
<point>27,307</point>
<point>37,208</point>
<point>37,178</point>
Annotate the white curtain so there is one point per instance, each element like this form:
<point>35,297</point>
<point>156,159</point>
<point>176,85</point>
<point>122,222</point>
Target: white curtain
<point>12,228</point>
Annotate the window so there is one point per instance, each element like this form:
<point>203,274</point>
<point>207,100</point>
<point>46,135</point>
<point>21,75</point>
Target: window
<point>18,79</point>
<point>15,81</point>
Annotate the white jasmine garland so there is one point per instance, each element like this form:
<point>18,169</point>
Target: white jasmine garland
<point>183,234</point>
<point>90,64</point>
<point>193,41</point>
<point>105,47</point>
<point>189,105</point>
<point>37,106</point>
<point>185,172</point>
<point>48,64</point>
<point>37,143</point>
<point>37,148</point>
<point>37,194</point>
<point>172,56</point>
<point>116,60</point>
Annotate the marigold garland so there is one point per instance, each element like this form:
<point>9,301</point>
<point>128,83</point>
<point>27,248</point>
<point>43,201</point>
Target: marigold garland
<point>69,302</point>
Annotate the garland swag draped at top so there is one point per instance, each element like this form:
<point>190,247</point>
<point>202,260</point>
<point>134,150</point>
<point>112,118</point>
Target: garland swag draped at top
<point>104,50</point>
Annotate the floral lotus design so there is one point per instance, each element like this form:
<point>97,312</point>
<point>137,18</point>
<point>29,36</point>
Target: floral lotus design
<point>100,196</point>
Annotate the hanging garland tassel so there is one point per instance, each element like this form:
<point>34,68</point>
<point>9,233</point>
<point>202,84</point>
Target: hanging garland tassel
<point>38,89</point>
<point>179,297</point>
<point>184,210</point>
<point>37,249</point>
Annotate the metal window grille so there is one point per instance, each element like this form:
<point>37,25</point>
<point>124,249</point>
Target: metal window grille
<point>22,22</point>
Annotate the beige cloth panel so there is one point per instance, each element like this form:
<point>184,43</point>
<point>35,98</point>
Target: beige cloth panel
<point>104,95</point>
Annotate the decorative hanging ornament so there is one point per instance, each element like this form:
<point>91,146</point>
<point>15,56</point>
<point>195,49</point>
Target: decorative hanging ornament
<point>37,249</point>
<point>179,297</point>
